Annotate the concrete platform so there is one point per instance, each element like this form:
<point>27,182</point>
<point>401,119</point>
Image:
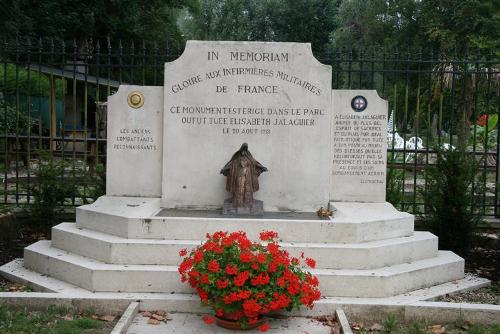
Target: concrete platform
<point>131,245</point>
<point>186,323</point>
<point>98,276</point>
<point>404,306</point>
<point>368,255</point>
<point>138,218</point>
<point>17,272</point>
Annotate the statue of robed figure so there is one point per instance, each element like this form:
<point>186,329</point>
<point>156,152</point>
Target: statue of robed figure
<point>242,173</point>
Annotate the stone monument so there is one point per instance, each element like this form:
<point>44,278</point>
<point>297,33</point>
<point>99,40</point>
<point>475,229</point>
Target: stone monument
<point>166,146</point>
<point>274,96</point>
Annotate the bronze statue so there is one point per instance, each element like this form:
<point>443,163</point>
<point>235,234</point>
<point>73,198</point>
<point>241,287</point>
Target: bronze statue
<point>242,173</point>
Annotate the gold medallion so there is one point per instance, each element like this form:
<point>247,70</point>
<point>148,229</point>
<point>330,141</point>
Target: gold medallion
<point>135,99</point>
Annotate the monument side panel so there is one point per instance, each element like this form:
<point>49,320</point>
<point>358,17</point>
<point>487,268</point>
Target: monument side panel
<point>134,144</point>
<point>359,135</point>
<point>274,96</point>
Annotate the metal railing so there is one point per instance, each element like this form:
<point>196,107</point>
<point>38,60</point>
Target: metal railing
<point>52,95</point>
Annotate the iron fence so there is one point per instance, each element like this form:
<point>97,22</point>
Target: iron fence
<point>53,94</point>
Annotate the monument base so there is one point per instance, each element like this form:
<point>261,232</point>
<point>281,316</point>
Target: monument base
<point>129,244</point>
<point>257,209</point>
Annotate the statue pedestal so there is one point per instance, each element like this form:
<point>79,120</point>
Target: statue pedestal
<point>256,209</point>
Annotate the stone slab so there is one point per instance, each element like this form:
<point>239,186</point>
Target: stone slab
<point>16,272</point>
<point>126,319</point>
<point>137,218</point>
<point>289,230</point>
<point>359,146</point>
<point>228,209</point>
<point>97,276</point>
<point>468,283</point>
<point>112,249</point>
<point>113,214</point>
<point>358,211</point>
<point>187,323</point>
<point>358,309</point>
<point>474,313</point>
<point>134,143</point>
<point>274,96</point>
<point>343,322</point>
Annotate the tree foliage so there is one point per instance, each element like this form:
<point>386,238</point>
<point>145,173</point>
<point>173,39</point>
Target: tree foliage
<point>68,19</point>
<point>439,24</point>
<point>442,24</point>
<point>274,20</point>
<point>458,24</point>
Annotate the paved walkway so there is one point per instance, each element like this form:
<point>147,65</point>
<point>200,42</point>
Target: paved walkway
<point>186,323</point>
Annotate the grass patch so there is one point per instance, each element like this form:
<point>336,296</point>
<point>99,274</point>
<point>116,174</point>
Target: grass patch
<point>56,319</point>
<point>392,326</point>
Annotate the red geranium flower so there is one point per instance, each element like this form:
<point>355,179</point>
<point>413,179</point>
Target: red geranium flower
<point>204,279</point>
<point>261,258</point>
<point>293,289</point>
<point>264,327</point>
<point>213,266</point>
<point>198,256</point>
<point>219,235</point>
<point>482,120</point>
<point>222,284</point>
<point>244,294</point>
<point>246,257</point>
<point>273,248</point>
<point>208,320</point>
<point>231,269</point>
<point>268,235</point>
<point>310,262</point>
<point>241,278</point>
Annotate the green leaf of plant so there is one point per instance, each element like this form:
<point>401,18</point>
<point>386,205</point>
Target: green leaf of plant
<point>492,121</point>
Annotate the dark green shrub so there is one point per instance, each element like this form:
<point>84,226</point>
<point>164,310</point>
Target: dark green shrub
<point>394,189</point>
<point>95,183</point>
<point>50,191</point>
<point>451,199</point>
<point>13,121</point>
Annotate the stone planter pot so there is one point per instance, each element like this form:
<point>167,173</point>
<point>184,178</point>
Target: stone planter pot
<point>232,324</point>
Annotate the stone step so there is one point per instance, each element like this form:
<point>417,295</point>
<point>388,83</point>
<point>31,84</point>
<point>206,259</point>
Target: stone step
<point>112,249</point>
<point>137,218</point>
<point>97,276</point>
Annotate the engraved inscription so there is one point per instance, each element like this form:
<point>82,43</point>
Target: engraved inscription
<point>358,148</point>
<point>138,139</point>
<point>226,72</point>
<point>247,116</point>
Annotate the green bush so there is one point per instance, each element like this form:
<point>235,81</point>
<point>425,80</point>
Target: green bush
<point>12,121</point>
<point>394,189</point>
<point>50,191</point>
<point>95,183</point>
<point>451,198</point>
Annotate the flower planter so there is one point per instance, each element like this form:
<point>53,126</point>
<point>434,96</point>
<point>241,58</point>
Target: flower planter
<point>243,280</point>
<point>233,324</point>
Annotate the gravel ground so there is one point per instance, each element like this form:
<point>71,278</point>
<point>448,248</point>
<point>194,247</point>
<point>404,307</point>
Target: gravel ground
<point>488,295</point>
